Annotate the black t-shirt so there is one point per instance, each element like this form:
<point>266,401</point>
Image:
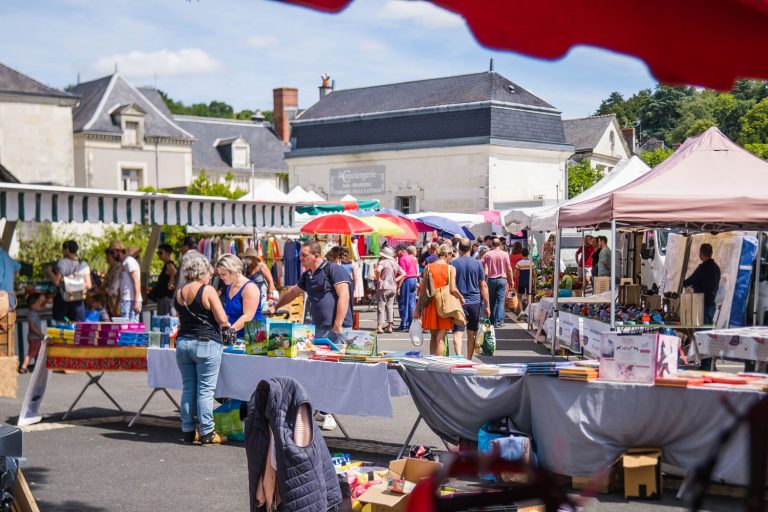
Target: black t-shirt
<point>705,279</point>
<point>322,297</point>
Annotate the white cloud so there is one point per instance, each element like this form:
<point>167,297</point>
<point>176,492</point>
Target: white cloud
<point>372,46</point>
<point>425,13</point>
<point>162,62</point>
<point>261,42</point>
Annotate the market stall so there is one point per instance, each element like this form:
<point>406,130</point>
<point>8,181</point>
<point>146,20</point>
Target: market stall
<point>581,427</point>
<point>744,343</point>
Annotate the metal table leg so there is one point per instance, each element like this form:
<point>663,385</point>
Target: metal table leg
<point>341,427</point>
<point>149,399</point>
<point>92,380</point>
<point>408,439</point>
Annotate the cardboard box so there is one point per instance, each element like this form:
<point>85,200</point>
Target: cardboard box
<point>692,308</point>
<point>629,294</point>
<point>411,470</point>
<point>652,301</point>
<point>602,284</point>
<point>255,331</point>
<point>642,473</point>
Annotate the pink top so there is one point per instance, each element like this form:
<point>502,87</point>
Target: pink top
<point>409,265</point>
<point>496,263</point>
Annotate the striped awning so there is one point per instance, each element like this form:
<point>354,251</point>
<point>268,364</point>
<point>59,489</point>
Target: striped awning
<point>39,203</point>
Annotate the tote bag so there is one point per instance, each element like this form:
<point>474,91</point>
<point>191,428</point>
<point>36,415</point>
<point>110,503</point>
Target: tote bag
<point>448,306</point>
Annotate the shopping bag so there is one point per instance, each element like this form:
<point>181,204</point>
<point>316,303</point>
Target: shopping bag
<point>416,333</point>
<point>512,302</point>
<point>226,417</point>
<point>488,344</point>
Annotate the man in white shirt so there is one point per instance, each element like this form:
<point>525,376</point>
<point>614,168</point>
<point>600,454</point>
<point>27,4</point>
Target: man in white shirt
<point>130,284</point>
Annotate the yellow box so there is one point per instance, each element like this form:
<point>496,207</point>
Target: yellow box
<point>292,351</point>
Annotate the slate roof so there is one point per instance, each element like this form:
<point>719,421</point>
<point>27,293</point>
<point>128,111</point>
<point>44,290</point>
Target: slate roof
<point>585,132</point>
<point>100,97</point>
<point>7,176</point>
<point>266,149</point>
<point>435,92</point>
<point>15,82</point>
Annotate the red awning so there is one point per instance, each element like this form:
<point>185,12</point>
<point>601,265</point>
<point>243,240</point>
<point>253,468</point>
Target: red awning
<point>698,42</point>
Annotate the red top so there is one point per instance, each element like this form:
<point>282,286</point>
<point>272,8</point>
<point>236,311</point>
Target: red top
<point>590,250</point>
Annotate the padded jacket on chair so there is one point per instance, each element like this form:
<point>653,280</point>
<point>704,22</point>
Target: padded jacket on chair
<point>306,477</point>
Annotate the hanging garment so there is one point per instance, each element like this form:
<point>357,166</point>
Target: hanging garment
<point>291,263</point>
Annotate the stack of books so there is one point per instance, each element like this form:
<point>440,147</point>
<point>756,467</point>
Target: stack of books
<point>550,369</point>
<point>61,333</point>
<point>133,339</point>
<point>104,334</point>
<point>415,362</point>
<point>579,373</point>
<point>673,382</point>
<point>450,365</point>
<point>513,369</point>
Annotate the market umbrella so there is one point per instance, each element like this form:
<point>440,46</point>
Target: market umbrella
<point>336,224</point>
<point>410,231</point>
<point>688,38</point>
<point>441,224</point>
<point>383,226</point>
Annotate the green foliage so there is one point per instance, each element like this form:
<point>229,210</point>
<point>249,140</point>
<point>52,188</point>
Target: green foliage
<point>654,158</point>
<point>754,124</point>
<point>698,127</point>
<point>581,176</point>
<point>760,150</point>
<point>203,186</point>
<point>215,108</point>
<point>669,113</point>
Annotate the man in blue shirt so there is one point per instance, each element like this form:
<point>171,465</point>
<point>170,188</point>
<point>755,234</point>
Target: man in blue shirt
<point>327,287</point>
<point>470,280</point>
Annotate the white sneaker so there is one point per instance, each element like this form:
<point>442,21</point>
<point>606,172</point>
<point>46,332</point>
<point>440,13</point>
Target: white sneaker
<point>326,421</point>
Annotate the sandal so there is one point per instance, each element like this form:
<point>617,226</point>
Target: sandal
<point>389,328</point>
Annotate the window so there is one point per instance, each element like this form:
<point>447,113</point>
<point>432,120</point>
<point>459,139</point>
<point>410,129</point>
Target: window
<point>131,179</point>
<point>240,157</point>
<point>131,133</point>
<point>406,204</point>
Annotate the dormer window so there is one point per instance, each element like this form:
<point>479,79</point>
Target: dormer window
<point>130,119</point>
<point>235,151</point>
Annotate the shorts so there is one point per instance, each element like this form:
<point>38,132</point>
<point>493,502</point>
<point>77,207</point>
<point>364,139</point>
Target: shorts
<point>587,271</point>
<point>33,347</point>
<point>472,313</point>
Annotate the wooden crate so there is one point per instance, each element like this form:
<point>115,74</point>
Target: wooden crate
<point>602,284</point>
<point>9,376</point>
<point>8,334</point>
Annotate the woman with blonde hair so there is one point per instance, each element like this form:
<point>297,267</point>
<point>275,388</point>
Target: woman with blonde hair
<point>241,297</point>
<point>199,349</point>
<point>442,274</point>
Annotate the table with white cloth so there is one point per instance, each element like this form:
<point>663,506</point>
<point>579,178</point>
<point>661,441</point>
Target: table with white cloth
<point>353,389</point>
<point>581,427</point>
<point>747,343</point>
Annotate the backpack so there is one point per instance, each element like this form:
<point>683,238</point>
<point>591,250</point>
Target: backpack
<point>73,286</point>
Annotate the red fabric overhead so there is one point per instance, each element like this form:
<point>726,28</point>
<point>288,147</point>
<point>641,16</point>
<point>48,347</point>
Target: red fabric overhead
<point>698,42</point>
<point>336,224</point>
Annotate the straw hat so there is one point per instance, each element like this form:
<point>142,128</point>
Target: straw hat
<point>249,253</point>
<point>387,253</point>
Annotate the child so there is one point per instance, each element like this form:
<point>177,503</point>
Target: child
<point>96,311</point>
<point>35,335</point>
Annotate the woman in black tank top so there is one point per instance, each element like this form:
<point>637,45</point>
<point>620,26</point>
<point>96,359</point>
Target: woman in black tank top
<point>199,349</point>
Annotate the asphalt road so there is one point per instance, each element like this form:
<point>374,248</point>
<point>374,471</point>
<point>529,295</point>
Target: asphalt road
<point>94,462</point>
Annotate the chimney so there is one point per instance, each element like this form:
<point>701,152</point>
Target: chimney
<point>258,117</point>
<point>286,106</point>
<point>629,136</point>
<point>327,86</point>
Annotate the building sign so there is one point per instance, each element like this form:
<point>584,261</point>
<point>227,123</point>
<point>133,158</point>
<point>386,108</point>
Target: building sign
<point>357,181</point>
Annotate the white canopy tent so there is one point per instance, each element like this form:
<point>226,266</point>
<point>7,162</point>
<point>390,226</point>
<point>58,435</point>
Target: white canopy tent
<point>267,192</point>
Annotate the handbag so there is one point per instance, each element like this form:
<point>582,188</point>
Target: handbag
<point>426,292</point>
<point>73,287</point>
<point>448,306</point>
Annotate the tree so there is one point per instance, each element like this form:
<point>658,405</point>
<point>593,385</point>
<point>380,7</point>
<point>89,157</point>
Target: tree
<point>759,150</point>
<point>581,176</point>
<point>754,124</point>
<point>615,104</point>
<point>654,158</point>
<point>699,126</point>
<point>203,186</point>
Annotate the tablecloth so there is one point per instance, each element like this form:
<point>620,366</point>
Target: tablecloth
<point>96,359</point>
<point>345,388</point>
<point>580,428</point>
<point>748,343</point>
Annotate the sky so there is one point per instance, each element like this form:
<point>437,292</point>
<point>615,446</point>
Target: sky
<point>237,51</point>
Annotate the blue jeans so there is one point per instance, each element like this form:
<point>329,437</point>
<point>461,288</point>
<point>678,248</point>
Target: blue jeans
<point>407,302</point>
<point>497,289</point>
<point>126,310</point>
<point>199,363</point>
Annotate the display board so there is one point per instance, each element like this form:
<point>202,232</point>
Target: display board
<point>570,331</point>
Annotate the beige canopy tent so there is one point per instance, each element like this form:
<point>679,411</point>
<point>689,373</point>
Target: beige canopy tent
<point>709,183</point>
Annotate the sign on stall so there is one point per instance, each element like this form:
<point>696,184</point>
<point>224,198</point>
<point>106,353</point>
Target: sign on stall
<point>592,336</point>
<point>638,358</point>
<point>569,332</point>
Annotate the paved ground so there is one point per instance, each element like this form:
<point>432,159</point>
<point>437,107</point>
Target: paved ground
<point>94,462</point>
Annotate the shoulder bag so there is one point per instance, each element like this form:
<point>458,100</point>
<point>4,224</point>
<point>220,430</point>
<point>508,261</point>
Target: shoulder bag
<point>448,306</point>
<point>426,292</point>
<point>73,286</point>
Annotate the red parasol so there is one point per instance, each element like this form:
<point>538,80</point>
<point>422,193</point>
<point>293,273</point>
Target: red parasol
<point>698,42</point>
<point>411,232</point>
<point>336,224</point>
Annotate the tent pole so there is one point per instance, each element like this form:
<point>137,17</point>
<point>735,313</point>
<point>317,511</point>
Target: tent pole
<point>583,263</point>
<point>7,237</point>
<point>149,253</point>
<point>756,301</point>
<point>555,288</point>
<point>613,274</point>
